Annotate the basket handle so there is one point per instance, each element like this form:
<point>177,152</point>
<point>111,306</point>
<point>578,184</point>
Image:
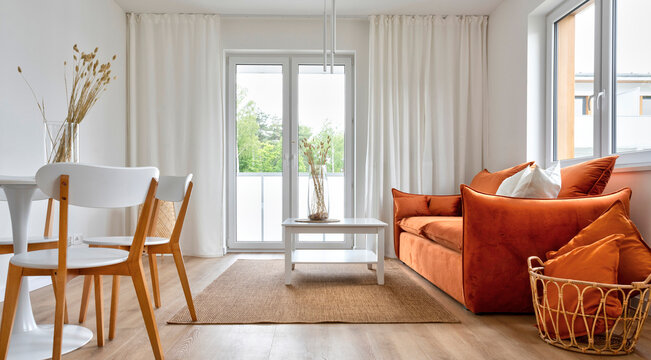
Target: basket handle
<point>532,258</point>
<point>642,283</point>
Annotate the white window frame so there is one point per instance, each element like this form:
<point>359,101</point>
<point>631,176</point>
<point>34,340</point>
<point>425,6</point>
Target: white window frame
<point>290,63</point>
<point>604,88</point>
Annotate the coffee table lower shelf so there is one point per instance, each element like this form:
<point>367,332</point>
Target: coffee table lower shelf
<point>334,257</point>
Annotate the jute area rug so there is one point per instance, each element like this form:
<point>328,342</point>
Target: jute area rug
<point>254,292</point>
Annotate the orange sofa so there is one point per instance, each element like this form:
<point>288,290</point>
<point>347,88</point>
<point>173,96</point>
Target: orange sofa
<point>478,255</point>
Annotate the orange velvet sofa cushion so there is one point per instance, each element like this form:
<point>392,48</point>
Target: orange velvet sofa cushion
<point>596,262</point>
<point>439,205</point>
<point>635,255</point>
<point>500,233</point>
<point>488,182</point>
<point>445,230</point>
<point>586,178</point>
<point>414,225</point>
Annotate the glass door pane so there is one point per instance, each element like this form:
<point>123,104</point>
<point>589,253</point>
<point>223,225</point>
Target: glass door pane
<point>259,114</point>
<point>574,83</point>
<point>633,79</point>
<point>322,114</point>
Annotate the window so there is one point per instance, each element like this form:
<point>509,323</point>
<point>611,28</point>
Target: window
<point>273,102</point>
<point>600,76</point>
<point>633,74</point>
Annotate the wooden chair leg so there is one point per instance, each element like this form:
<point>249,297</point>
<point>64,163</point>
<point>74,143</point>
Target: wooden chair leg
<point>115,293</point>
<point>59,315</point>
<point>85,296</point>
<point>180,268</point>
<point>14,278</point>
<point>65,305</point>
<point>138,278</point>
<point>99,310</point>
<point>153,272</point>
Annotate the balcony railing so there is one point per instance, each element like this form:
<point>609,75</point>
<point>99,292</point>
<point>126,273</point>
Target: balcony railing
<point>260,205</point>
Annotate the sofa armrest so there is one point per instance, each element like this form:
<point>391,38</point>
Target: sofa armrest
<point>500,233</point>
<point>438,205</point>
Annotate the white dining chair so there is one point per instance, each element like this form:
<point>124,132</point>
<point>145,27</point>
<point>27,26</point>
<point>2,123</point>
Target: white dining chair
<point>172,189</point>
<point>91,187</point>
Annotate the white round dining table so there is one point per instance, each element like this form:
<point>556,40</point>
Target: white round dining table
<point>28,339</point>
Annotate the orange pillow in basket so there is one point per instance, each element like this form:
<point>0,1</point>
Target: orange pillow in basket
<point>488,182</point>
<point>597,262</point>
<point>635,255</point>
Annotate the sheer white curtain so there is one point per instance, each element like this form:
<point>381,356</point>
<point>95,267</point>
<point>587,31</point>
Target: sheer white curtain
<point>427,94</point>
<point>176,119</point>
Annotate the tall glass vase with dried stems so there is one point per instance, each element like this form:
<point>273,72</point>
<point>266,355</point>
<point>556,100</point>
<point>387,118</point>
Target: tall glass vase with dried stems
<point>89,81</point>
<point>318,202</point>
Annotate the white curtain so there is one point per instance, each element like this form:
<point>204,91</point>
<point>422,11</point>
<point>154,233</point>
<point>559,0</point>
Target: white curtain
<point>427,98</point>
<point>176,118</point>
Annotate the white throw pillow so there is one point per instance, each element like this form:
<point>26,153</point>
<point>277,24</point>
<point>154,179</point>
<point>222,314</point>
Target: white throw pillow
<point>508,186</point>
<point>533,182</point>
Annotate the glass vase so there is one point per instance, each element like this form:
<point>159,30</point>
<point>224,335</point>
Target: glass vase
<point>61,142</point>
<point>318,202</point>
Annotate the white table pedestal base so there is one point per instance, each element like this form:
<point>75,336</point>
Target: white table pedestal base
<point>37,343</point>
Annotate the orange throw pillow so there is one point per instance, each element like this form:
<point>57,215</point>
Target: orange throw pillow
<point>635,255</point>
<point>411,206</point>
<point>597,262</point>
<point>586,178</point>
<point>488,182</point>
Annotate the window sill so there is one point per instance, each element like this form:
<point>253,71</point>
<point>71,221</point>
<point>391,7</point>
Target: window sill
<point>626,168</point>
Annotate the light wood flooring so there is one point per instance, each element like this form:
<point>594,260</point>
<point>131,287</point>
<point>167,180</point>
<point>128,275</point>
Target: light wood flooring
<point>476,337</point>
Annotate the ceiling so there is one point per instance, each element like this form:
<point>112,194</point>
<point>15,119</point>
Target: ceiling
<point>312,7</point>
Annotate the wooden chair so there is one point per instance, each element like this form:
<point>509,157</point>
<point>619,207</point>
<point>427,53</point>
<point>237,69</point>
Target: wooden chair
<point>97,187</point>
<point>172,189</point>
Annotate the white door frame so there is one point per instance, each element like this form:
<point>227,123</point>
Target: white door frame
<point>290,63</point>
<point>231,146</point>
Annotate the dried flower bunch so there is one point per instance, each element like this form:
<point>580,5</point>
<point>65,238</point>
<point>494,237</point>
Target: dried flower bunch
<point>316,154</point>
<point>89,80</point>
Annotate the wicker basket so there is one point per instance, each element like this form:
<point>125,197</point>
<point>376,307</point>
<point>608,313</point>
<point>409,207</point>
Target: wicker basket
<point>621,333</point>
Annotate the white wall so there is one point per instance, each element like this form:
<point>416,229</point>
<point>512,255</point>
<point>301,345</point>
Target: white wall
<point>516,99</point>
<point>298,34</point>
<point>507,82</point>
<point>38,35</point>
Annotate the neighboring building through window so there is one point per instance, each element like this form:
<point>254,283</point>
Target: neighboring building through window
<point>645,106</point>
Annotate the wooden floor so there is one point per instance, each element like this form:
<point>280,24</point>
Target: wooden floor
<point>476,337</point>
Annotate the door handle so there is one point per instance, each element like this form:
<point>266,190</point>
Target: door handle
<point>597,102</point>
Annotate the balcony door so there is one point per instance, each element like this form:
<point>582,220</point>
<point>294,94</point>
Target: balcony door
<point>273,103</point>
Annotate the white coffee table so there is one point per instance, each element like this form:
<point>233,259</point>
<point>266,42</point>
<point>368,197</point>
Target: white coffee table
<point>373,254</point>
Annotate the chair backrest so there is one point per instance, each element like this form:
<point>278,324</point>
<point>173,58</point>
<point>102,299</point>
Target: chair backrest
<point>173,188</point>
<point>97,186</point>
